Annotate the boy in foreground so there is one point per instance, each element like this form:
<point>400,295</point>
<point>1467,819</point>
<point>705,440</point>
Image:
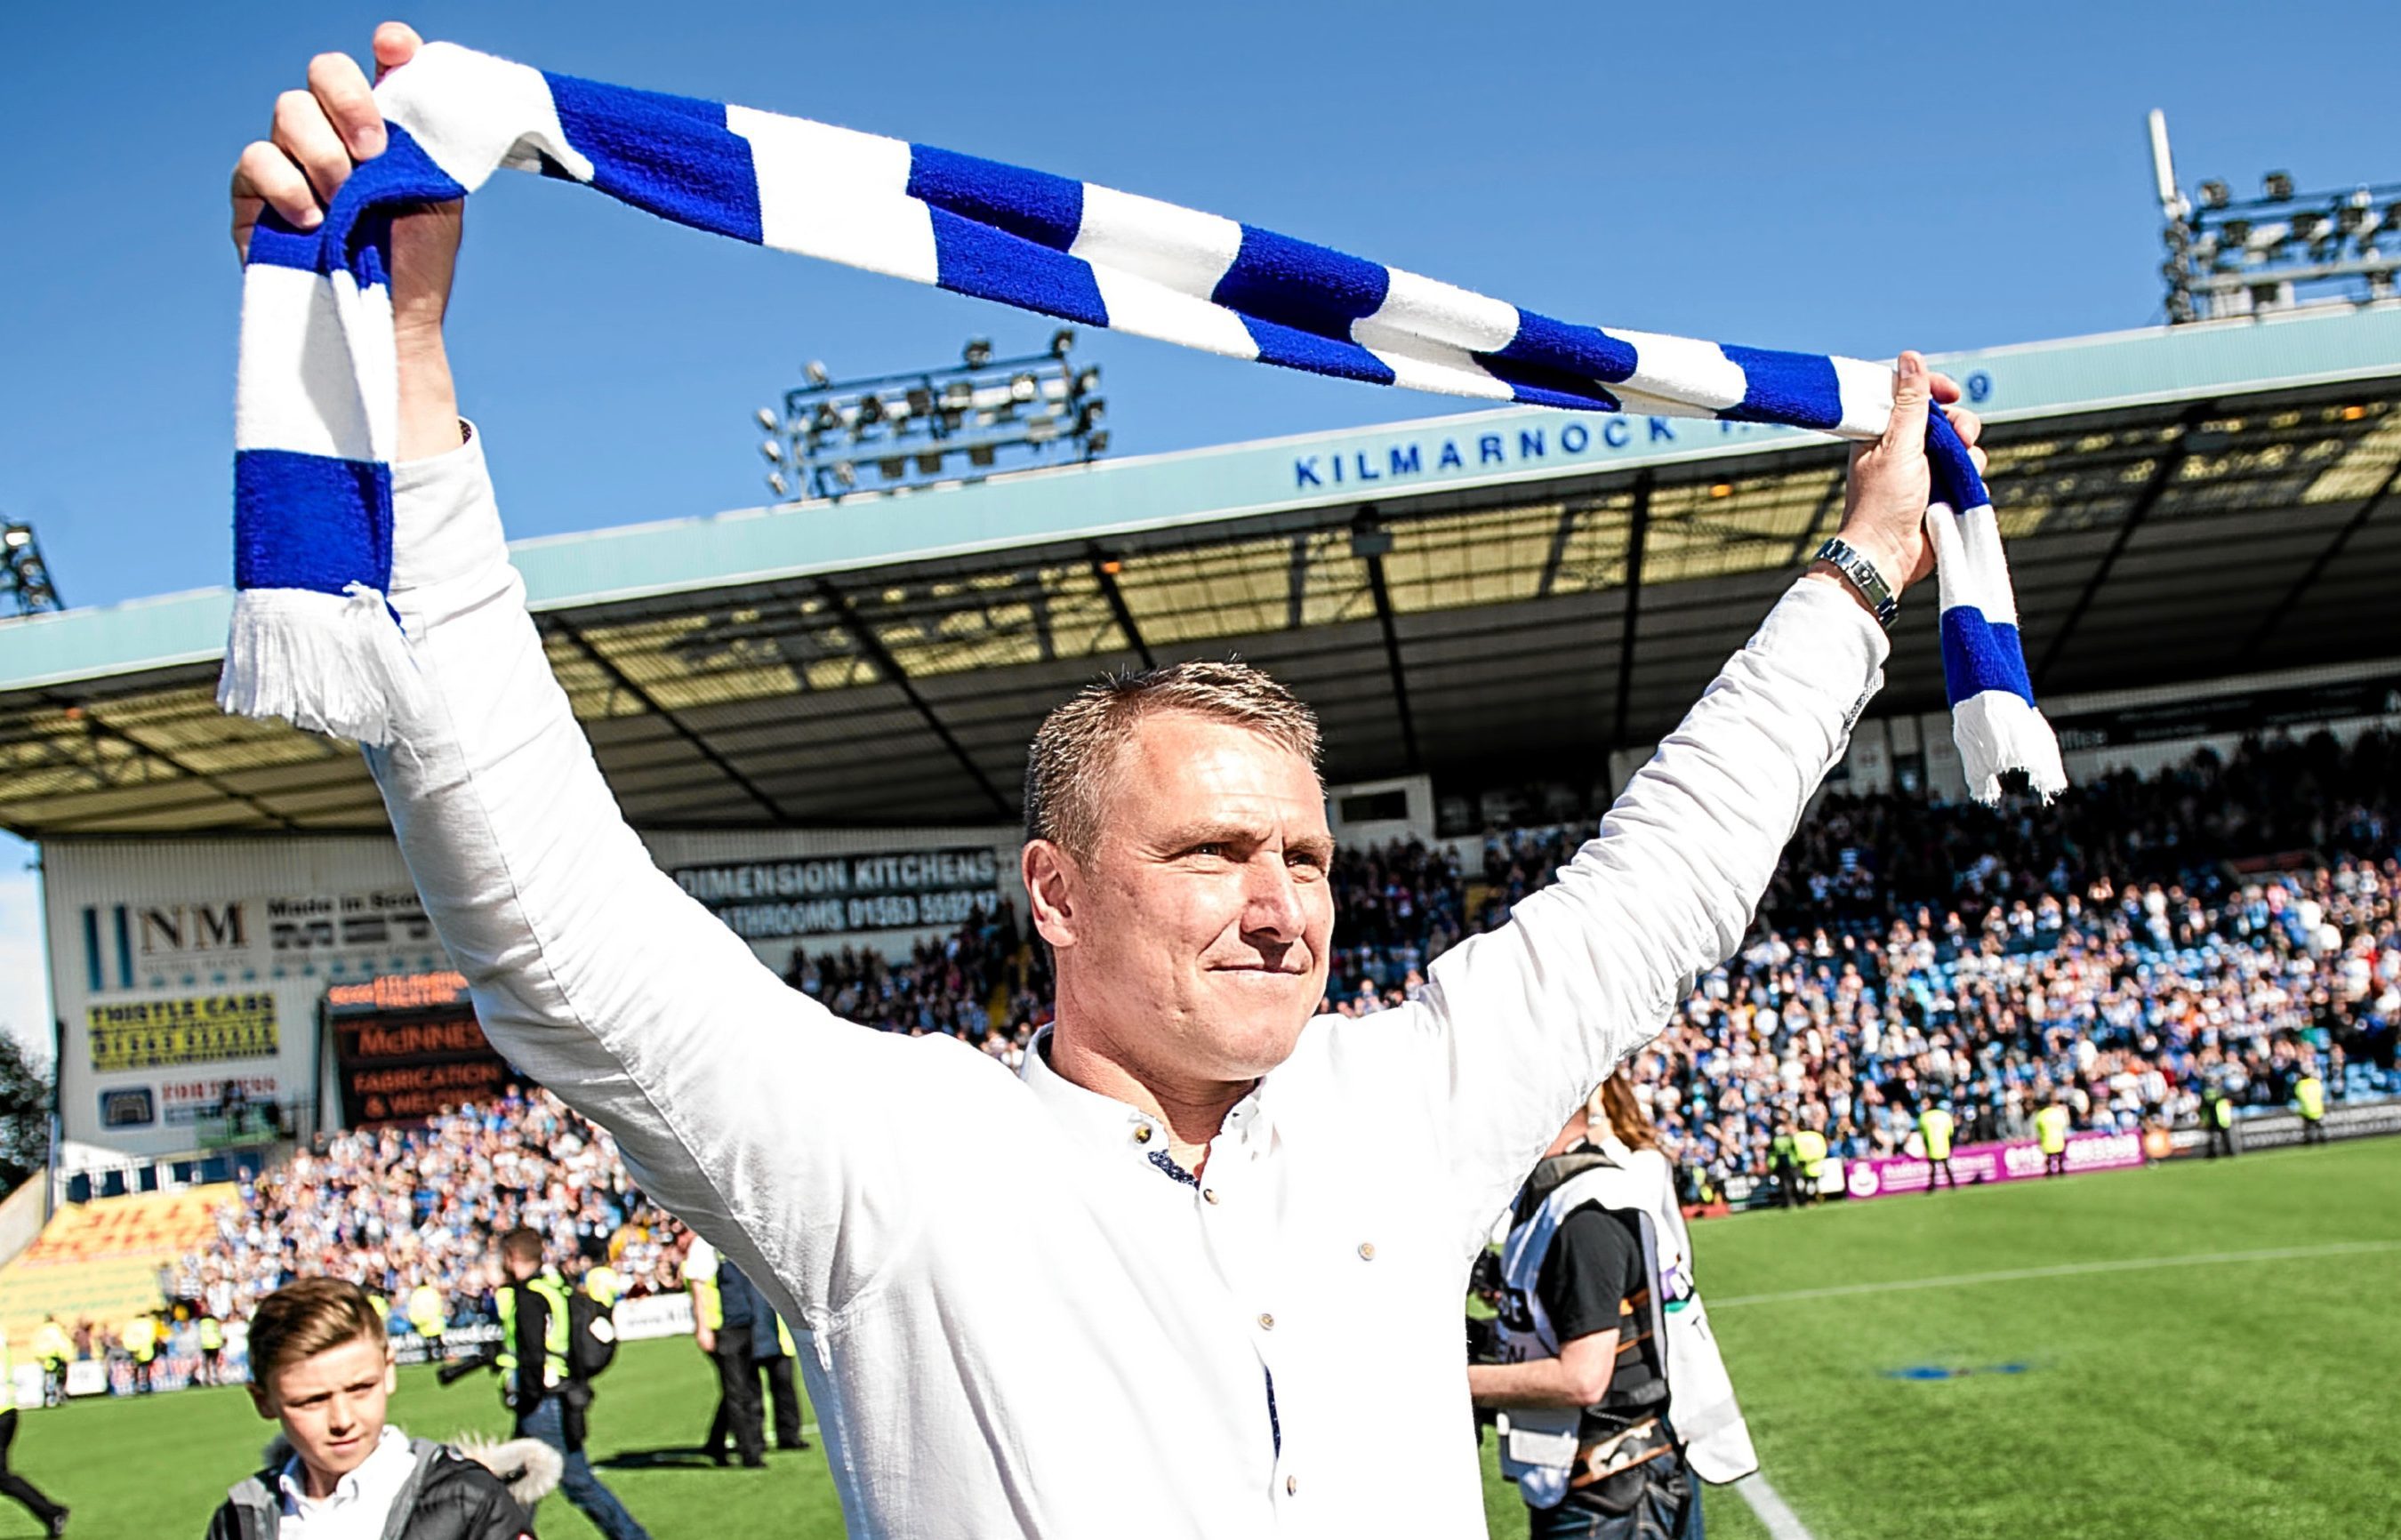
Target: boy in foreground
<point>320,1367</point>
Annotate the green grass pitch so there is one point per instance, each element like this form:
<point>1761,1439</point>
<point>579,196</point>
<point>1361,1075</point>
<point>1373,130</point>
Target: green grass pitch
<point>2194,1351</point>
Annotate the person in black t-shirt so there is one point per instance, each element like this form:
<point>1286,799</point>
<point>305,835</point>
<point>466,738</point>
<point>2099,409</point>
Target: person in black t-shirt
<point>1592,1299</point>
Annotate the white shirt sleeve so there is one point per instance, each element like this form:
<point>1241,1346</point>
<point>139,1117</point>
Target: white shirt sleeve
<point>1523,1022</point>
<point>747,1108</point>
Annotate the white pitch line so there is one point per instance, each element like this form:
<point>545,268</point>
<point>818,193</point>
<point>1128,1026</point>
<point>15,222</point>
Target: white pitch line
<point>1782,1522</point>
<point>2063,1269</point>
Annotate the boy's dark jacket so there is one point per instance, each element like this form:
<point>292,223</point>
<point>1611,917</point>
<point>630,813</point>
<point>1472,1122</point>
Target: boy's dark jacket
<point>447,1497</point>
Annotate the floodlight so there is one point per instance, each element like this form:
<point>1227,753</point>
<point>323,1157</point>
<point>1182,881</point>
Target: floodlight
<point>2278,185</point>
<point>870,410</point>
<point>1088,380</point>
<point>980,454</point>
<point>929,462</point>
<point>1060,340</point>
<point>2306,224</point>
<point>772,450</point>
<point>1021,388</point>
<point>16,537</point>
<point>958,395</point>
<point>777,484</point>
<point>827,420</point>
<point>846,473</point>
<point>2215,194</point>
<point>921,400</point>
<point>768,420</point>
<point>1096,442</point>
<point>977,352</point>
<point>817,373</point>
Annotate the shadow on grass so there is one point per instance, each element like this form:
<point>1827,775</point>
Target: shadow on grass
<point>671,1457</point>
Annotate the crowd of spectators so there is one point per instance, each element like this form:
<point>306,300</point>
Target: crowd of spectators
<point>389,1208</point>
<point>2217,926</point>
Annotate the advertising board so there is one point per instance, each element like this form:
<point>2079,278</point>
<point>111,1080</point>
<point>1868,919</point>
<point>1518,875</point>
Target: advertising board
<point>2011,1160</point>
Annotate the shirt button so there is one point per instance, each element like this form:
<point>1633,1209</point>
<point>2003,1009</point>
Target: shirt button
<point>1292,1486</point>
<point>1209,1193</point>
<point>1266,1322</point>
<point>1366,1251</point>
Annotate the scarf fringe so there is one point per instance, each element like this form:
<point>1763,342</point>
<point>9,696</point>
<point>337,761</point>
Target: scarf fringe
<point>1998,732</point>
<point>336,664</point>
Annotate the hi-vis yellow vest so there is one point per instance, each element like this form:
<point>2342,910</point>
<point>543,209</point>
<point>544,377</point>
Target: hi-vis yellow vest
<point>553,1290</point>
<point>1934,1127</point>
<point>2311,1093</point>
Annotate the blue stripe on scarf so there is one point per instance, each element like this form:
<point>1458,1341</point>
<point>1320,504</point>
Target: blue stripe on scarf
<point>1979,655</point>
<point>971,258</point>
<point>1578,350</point>
<point>671,154</point>
<point>1952,467</point>
<point>1035,206</point>
<point>1540,385</point>
<point>1799,389</point>
<point>311,521</point>
<point>1307,287</point>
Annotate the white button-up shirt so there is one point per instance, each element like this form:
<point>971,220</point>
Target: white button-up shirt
<point>1050,1337</point>
<point>360,1503</point>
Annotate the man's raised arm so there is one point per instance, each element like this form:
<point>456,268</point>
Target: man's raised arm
<point>1526,1021</point>
<point>738,1100</point>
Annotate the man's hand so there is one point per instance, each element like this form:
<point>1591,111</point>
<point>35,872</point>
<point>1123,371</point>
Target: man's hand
<point>318,136</point>
<point>1884,513</point>
<point>706,1337</point>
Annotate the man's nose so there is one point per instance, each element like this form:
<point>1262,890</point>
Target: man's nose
<point>1271,908</point>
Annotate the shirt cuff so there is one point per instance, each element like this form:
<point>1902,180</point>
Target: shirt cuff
<point>1819,617</point>
<point>445,523</point>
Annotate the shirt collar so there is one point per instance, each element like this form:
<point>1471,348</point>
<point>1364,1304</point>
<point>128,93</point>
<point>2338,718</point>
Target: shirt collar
<point>1110,1122</point>
<point>380,1470</point>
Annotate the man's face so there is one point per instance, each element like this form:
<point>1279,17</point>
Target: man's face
<point>331,1405</point>
<point>1194,939</point>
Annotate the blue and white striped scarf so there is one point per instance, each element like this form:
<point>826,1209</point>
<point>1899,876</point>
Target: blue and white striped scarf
<point>317,418</point>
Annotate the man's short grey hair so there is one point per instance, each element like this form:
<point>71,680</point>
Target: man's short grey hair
<point>1074,753</point>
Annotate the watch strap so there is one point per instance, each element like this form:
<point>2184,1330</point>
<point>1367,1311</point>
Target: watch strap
<point>1861,574</point>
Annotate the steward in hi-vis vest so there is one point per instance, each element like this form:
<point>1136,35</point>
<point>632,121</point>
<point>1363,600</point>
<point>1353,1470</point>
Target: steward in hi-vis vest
<point>2309,1095</point>
<point>1934,1130</point>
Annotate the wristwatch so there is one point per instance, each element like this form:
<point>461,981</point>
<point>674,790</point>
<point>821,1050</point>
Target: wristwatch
<point>1861,574</point>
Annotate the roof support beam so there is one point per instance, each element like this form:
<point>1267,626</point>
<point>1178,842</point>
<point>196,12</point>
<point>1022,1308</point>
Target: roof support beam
<point>1105,569</point>
<point>2163,474</point>
<point>872,647</point>
<point>1637,535</point>
<point>618,679</point>
<point>1383,597</point>
<point>1558,553</point>
<point>1807,539</point>
<point>101,729</point>
<point>2326,559</point>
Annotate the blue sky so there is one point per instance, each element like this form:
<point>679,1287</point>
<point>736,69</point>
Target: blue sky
<point>1847,179</point>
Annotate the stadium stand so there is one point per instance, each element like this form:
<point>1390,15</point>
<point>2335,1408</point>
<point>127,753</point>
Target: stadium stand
<point>99,1261</point>
<point>2142,939</point>
<point>393,1207</point>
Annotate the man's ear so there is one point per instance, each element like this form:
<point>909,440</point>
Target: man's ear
<point>263,1402</point>
<point>1052,880</point>
<point>391,1370</point>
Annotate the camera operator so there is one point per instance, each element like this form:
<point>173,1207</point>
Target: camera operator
<point>1611,1396</point>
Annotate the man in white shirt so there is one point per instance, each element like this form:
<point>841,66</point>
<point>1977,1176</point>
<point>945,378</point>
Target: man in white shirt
<point>1217,1290</point>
